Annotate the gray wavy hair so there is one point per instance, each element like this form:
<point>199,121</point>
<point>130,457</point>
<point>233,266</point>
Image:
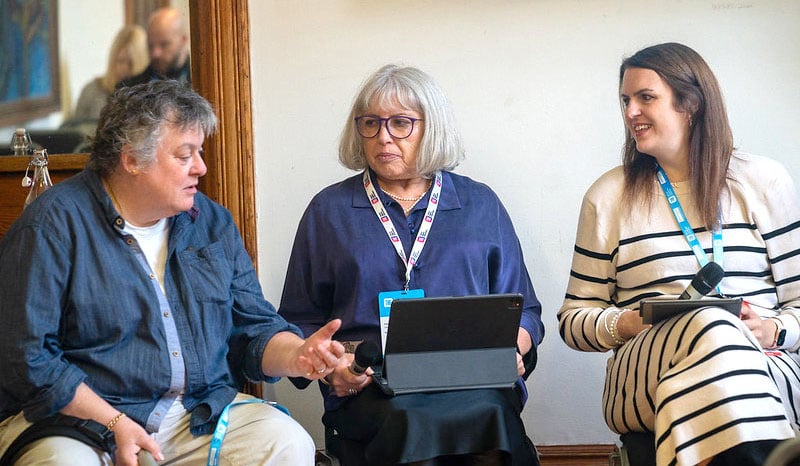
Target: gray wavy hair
<point>134,116</point>
<point>440,148</point>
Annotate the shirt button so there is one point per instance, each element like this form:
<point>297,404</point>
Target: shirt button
<point>129,241</point>
<point>175,353</point>
<point>152,276</point>
<point>118,221</point>
<point>166,314</point>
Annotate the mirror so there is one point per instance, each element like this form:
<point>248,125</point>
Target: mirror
<point>80,55</point>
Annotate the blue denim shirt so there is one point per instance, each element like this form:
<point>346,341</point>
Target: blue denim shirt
<point>342,258</point>
<point>77,306</point>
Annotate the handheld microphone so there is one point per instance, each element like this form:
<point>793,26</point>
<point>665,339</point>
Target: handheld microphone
<point>706,280</point>
<point>367,354</point>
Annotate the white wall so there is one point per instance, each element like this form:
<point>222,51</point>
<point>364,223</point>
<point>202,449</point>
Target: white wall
<point>534,85</point>
<point>84,46</point>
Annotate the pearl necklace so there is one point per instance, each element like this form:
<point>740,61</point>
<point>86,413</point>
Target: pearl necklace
<point>414,200</point>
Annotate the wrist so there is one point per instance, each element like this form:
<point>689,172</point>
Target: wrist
<point>114,420</point>
<point>779,335</point>
<point>612,326</point>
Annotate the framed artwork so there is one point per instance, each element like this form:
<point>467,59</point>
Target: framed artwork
<point>29,78</point>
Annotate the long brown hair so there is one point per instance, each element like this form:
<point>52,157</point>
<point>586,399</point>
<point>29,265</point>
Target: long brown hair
<point>696,92</point>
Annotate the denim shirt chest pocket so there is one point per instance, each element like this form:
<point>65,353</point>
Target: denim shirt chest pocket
<point>209,272</point>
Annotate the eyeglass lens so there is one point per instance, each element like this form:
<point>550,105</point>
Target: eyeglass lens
<point>398,126</point>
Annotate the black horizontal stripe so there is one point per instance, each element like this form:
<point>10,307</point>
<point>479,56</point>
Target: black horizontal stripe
<point>748,273</point>
<point>589,278</point>
<point>659,281</point>
<point>660,234</point>
<point>745,396</point>
<point>601,302</point>
<point>771,234</point>
<point>751,293</point>
<point>755,249</point>
<point>723,427</point>
<point>788,280</point>
<point>592,254</point>
<point>652,258</point>
<point>673,233</point>
<point>739,226</point>
<point>635,299</point>
<point>783,257</point>
<point>709,381</point>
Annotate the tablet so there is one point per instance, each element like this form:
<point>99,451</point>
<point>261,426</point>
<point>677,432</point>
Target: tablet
<point>654,310</point>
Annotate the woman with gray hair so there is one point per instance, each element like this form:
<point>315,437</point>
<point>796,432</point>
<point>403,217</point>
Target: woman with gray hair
<point>352,246</point>
<point>132,307</point>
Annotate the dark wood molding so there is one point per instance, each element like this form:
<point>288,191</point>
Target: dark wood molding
<point>576,455</point>
<point>12,194</point>
<point>221,74</point>
<point>220,40</point>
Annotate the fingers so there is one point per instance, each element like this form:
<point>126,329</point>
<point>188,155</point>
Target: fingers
<point>347,384</point>
<point>326,332</point>
<point>320,353</point>
<point>152,448</point>
<point>315,366</point>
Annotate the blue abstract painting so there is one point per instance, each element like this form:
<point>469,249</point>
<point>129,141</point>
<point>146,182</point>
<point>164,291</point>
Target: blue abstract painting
<point>28,62</point>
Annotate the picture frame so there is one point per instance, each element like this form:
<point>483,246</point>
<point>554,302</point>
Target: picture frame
<point>29,66</point>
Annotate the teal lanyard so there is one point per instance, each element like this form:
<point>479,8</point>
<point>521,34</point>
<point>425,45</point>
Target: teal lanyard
<point>222,428</point>
<point>686,229</point>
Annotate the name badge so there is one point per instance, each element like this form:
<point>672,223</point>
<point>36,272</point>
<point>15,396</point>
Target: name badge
<point>385,299</point>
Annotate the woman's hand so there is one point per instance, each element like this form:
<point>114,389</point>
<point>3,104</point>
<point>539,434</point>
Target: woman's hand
<point>130,438</point>
<point>629,324</point>
<point>763,329</point>
<point>344,382</point>
<point>315,357</point>
<point>320,353</point>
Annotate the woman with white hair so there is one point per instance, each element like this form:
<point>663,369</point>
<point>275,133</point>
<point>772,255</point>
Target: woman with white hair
<point>354,243</point>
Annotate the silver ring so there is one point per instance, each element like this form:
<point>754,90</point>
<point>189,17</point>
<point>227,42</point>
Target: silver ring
<point>322,370</point>
<point>352,391</point>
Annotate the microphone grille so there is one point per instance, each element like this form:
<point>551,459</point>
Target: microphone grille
<point>708,278</point>
<point>367,353</point>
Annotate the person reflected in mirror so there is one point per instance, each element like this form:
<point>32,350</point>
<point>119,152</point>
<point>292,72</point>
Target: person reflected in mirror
<point>433,232</point>
<point>127,57</point>
<point>128,299</point>
<point>708,386</point>
<point>168,46</point>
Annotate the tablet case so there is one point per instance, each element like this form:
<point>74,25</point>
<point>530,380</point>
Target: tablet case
<point>451,343</point>
<point>654,310</point>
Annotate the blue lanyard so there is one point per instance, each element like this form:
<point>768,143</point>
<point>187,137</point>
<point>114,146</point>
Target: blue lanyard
<point>688,233</point>
<point>222,428</point>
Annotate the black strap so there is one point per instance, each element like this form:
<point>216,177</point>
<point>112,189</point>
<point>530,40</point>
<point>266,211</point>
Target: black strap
<point>87,431</point>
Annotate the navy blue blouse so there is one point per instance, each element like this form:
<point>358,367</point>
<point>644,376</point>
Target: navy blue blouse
<point>342,257</point>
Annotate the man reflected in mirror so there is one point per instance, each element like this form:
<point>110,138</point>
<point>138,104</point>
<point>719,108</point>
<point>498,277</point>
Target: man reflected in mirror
<point>168,46</point>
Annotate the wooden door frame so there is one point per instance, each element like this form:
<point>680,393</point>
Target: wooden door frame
<point>220,41</point>
<point>220,38</point>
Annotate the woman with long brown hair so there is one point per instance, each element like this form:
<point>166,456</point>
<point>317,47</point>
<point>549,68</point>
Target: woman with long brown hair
<point>707,385</point>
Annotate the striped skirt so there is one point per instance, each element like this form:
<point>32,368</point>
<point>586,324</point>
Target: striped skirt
<point>702,384</point>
